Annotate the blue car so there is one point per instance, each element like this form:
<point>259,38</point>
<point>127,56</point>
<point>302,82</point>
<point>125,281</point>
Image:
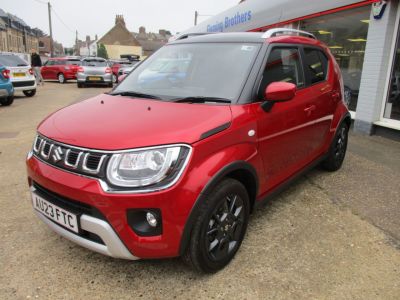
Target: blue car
<point>6,87</point>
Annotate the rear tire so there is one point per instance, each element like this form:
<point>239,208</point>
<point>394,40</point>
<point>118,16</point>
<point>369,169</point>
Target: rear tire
<point>7,101</point>
<point>337,151</point>
<point>110,85</point>
<point>29,93</point>
<point>219,228</point>
<point>61,78</point>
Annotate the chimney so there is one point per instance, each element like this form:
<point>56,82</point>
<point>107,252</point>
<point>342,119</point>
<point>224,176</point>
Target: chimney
<point>119,19</point>
<point>162,32</point>
<point>88,39</point>
<point>95,37</point>
<point>142,30</point>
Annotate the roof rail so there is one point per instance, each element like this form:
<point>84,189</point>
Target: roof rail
<point>274,31</point>
<point>187,35</point>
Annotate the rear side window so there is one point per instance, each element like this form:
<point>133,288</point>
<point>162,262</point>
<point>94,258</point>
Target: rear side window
<point>283,65</point>
<point>316,64</point>
<point>60,62</point>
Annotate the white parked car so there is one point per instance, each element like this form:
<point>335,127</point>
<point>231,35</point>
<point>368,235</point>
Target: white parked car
<point>20,72</point>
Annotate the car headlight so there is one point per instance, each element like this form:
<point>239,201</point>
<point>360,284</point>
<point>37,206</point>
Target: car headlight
<point>146,167</point>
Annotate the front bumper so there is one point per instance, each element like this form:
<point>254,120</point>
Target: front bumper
<point>112,244</point>
<point>114,229</point>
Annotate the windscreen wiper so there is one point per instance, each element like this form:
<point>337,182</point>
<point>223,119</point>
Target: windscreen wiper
<point>134,94</point>
<point>202,99</point>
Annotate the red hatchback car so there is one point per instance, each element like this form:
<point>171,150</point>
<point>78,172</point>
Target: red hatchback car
<point>61,69</point>
<point>174,159</point>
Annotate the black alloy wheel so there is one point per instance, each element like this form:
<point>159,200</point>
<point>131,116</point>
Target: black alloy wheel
<point>220,226</point>
<point>225,227</point>
<point>337,151</point>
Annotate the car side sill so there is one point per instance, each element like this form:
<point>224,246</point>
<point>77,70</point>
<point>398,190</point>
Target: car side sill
<point>288,182</point>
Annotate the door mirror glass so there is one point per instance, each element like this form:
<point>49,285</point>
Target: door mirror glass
<point>280,91</point>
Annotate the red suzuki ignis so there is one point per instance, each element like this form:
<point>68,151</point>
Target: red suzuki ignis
<point>174,159</point>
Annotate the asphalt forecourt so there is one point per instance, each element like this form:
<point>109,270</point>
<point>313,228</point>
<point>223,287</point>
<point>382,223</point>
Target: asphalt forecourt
<point>329,236</point>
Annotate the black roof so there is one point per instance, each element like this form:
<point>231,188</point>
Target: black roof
<point>227,37</point>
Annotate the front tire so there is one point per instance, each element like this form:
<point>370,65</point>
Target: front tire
<point>337,151</point>
<point>220,227</point>
<point>80,85</point>
<point>29,93</point>
<point>61,78</point>
<point>7,101</point>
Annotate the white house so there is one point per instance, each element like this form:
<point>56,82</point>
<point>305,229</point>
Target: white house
<point>89,47</point>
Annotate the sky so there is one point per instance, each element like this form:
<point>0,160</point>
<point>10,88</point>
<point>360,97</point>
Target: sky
<point>92,17</point>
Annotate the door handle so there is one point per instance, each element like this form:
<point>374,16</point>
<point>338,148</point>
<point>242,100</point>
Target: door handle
<point>309,109</point>
<point>335,95</point>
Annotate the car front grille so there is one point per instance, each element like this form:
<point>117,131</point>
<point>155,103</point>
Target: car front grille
<point>17,84</point>
<point>74,159</point>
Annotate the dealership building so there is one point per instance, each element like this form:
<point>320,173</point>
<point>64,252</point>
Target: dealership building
<point>362,35</point>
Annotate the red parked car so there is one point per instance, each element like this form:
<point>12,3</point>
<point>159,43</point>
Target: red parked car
<point>61,69</point>
<point>116,65</point>
<point>172,163</point>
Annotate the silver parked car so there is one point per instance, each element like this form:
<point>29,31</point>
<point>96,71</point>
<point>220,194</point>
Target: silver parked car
<point>20,73</point>
<point>94,70</point>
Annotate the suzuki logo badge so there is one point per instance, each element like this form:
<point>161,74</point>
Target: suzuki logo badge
<point>57,154</point>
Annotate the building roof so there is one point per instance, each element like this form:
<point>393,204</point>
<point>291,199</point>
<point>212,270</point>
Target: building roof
<point>119,35</point>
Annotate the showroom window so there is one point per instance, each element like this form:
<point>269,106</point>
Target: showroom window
<point>392,107</point>
<point>345,33</point>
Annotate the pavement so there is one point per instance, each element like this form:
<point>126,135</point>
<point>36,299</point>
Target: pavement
<point>328,236</point>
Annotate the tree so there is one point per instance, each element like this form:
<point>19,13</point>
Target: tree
<point>102,51</point>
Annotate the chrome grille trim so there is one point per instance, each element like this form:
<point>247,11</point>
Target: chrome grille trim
<point>42,150</point>
<point>59,155</point>
<point>89,170</point>
<point>72,166</point>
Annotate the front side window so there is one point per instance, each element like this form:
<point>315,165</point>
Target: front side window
<point>194,70</point>
<point>283,65</point>
<point>316,65</point>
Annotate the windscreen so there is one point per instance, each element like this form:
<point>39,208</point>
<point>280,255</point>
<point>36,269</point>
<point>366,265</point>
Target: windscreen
<point>12,61</point>
<point>193,70</point>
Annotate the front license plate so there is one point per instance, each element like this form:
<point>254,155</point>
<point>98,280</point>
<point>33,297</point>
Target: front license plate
<point>55,213</point>
<point>19,74</point>
<point>94,78</point>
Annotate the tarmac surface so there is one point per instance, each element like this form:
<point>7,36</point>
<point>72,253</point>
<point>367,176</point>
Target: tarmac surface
<point>329,236</point>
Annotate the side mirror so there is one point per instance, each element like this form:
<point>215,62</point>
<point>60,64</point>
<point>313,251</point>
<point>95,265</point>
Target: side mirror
<point>122,77</point>
<point>278,92</point>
